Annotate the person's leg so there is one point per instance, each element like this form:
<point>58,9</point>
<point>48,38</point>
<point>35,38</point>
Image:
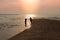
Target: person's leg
<point>25,23</point>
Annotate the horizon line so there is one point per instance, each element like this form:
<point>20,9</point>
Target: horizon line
<point>9,14</point>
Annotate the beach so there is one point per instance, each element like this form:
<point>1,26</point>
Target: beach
<point>41,29</point>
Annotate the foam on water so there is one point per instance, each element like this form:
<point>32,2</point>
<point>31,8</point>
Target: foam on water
<point>10,25</point>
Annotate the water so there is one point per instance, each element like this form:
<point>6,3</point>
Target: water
<point>11,25</point>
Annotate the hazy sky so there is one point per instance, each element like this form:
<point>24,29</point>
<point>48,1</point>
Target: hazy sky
<point>39,7</point>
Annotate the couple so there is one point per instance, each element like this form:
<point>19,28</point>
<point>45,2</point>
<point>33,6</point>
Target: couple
<point>26,21</point>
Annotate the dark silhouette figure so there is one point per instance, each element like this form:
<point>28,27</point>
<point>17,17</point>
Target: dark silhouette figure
<point>30,19</point>
<point>25,21</point>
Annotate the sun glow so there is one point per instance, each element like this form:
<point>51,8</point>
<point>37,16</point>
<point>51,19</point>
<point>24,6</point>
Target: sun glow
<point>29,6</point>
<point>29,0</point>
<point>30,15</point>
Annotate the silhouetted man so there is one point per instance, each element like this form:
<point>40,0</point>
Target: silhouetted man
<point>25,21</point>
<point>30,19</point>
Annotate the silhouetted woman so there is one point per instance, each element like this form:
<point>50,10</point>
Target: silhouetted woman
<point>25,21</point>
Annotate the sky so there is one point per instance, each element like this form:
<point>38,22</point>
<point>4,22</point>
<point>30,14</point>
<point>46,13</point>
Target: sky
<point>46,8</point>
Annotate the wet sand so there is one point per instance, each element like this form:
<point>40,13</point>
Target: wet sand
<point>41,29</point>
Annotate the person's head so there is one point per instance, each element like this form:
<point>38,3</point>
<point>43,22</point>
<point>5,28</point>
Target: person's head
<point>30,17</point>
<point>25,18</point>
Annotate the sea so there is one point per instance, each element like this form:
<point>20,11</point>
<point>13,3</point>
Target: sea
<point>11,25</point>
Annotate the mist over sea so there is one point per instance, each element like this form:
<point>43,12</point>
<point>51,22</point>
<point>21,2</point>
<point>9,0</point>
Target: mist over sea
<point>10,25</point>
